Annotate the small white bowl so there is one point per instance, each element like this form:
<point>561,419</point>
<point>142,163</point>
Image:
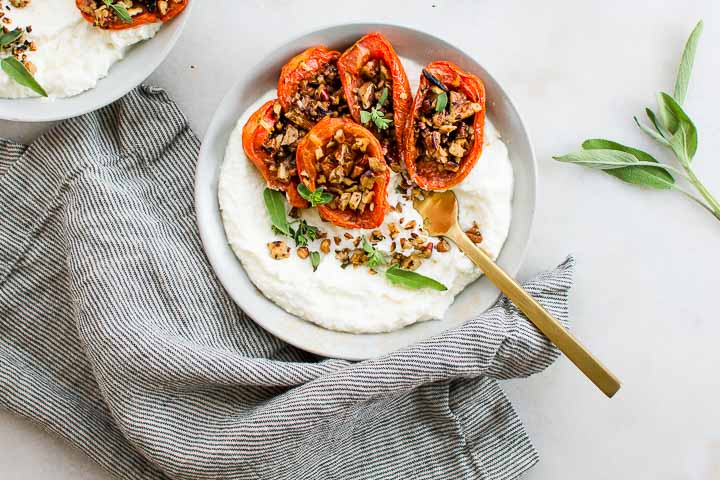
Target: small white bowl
<point>260,78</point>
<point>128,73</point>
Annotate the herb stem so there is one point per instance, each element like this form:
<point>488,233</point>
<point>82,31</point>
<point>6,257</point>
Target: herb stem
<point>703,191</point>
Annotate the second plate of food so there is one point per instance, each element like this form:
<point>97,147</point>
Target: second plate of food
<point>64,58</point>
<point>307,176</point>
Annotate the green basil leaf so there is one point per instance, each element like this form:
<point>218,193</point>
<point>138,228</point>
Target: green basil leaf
<point>120,11</point>
<point>17,71</point>
<point>365,116</point>
<point>10,37</point>
<point>441,102</point>
<point>409,279</point>
<point>686,64</point>
<point>653,177</point>
<point>275,205</point>
<point>689,139</point>
<point>315,260</point>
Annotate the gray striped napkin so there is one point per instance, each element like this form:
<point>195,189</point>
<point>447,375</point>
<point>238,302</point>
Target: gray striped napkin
<point>115,334</point>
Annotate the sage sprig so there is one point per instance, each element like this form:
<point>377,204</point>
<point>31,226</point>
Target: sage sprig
<point>15,69</point>
<point>120,11</point>
<point>672,128</point>
<point>410,279</point>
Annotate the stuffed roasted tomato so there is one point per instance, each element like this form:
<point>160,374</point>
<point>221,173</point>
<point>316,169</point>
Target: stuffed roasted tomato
<point>346,160</point>
<point>443,137</point>
<point>270,142</point>
<point>309,88</point>
<point>122,14</point>
<point>377,91</point>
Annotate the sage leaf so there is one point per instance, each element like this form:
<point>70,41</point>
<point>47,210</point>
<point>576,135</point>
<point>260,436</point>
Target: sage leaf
<point>600,159</point>
<point>383,97</point>
<point>689,140</point>
<point>10,37</point>
<point>17,71</point>
<point>365,116</point>
<point>315,260</point>
<point>686,64</point>
<point>652,133</point>
<point>275,206</point>
<point>652,177</point>
<point>412,280</point>
<point>653,118</point>
<point>441,102</point>
<point>120,11</point>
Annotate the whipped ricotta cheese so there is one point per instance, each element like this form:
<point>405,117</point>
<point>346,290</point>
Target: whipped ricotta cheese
<point>350,299</point>
<point>72,54</point>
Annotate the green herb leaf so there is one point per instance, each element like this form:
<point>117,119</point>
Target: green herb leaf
<point>383,97</point>
<point>275,206</point>
<point>441,102</point>
<point>318,197</point>
<point>652,133</point>
<point>365,116</point>
<point>10,37</point>
<point>17,71</point>
<point>653,177</point>
<point>689,139</point>
<point>604,159</point>
<point>120,11</point>
<point>303,233</point>
<point>315,260</point>
<point>651,115</point>
<point>686,64</point>
<point>375,257</point>
<point>409,279</point>
<point>379,118</point>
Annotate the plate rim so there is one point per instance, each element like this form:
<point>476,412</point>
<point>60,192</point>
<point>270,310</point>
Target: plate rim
<point>137,78</point>
<point>219,130</point>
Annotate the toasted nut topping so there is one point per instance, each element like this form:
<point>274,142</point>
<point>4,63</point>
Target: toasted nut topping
<point>348,235</point>
<point>410,225</point>
<point>474,233</point>
<point>443,246</point>
<point>376,236</point>
<point>337,240</point>
<point>303,252</point>
<point>393,229</point>
<point>278,250</point>
<point>325,246</point>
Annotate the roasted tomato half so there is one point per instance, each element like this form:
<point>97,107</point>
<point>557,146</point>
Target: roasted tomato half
<point>139,11</point>
<point>346,160</point>
<point>270,142</point>
<point>443,137</point>
<point>377,91</point>
<point>310,89</point>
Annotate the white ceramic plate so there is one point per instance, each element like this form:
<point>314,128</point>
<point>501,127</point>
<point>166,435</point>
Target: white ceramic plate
<point>128,73</point>
<point>260,78</point>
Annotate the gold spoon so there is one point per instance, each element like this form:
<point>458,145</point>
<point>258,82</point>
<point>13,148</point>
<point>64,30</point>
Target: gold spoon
<point>440,214</point>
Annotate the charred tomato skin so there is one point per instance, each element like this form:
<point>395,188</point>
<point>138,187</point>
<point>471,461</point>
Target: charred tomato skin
<point>141,19</point>
<point>301,67</point>
<point>374,46</point>
<point>455,79</point>
<point>306,161</point>
<point>255,133</point>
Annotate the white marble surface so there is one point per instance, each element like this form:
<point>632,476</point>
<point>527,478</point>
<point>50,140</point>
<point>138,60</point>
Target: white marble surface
<point>646,293</point>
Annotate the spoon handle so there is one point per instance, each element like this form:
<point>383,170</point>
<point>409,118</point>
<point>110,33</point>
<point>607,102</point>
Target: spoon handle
<point>546,323</point>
